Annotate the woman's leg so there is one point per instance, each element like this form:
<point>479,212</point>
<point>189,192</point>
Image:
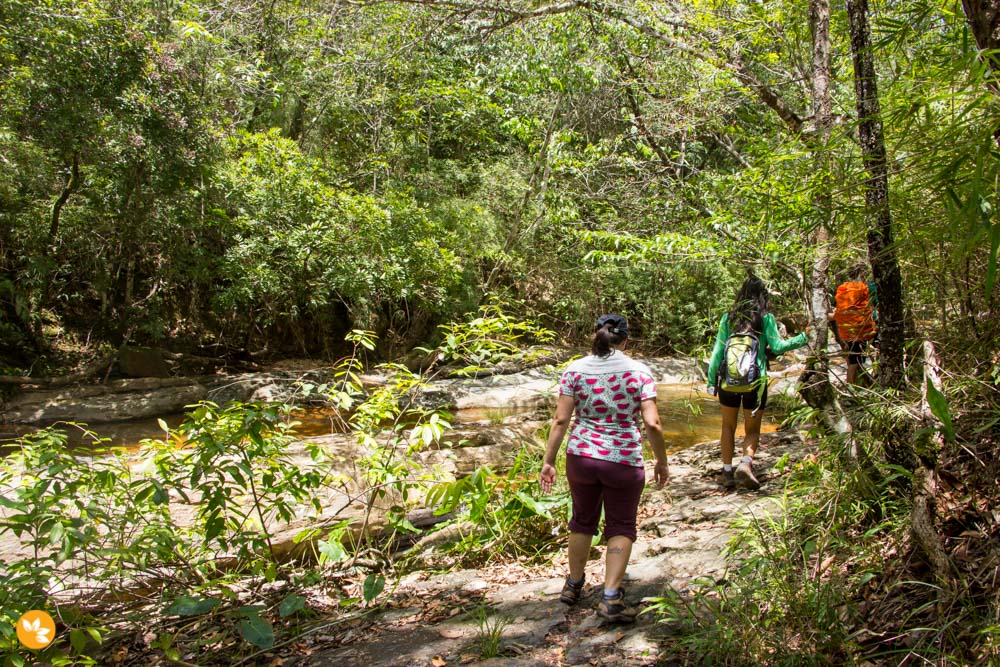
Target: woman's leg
<point>616,561</point>
<point>852,373</point>
<point>751,424</point>
<point>753,415</point>
<point>587,495</point>
<point>579,549</point>
<point>623,486</point>
<point>855,358</point>
<point>728,440</point>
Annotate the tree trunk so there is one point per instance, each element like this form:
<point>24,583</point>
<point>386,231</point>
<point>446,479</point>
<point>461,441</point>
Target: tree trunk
<point>881,251</point>
<point>984,21</point>
<point>922,530</point>
<point>71,184</point>
<point>815,381</point>
<point>819,18</point>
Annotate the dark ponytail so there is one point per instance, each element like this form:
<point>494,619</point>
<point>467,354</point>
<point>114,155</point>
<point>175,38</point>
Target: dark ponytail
<point>604,341</point>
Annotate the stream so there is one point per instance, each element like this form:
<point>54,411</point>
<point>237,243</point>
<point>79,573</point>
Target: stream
<point>688,416</point>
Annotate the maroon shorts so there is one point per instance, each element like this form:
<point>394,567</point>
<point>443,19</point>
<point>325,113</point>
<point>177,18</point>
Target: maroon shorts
<point>616,486</point>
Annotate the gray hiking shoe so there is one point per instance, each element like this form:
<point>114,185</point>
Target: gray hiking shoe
<point>616,610</point>
<point>745,476</point>
<point>571,593</point>
<point>728,478</point>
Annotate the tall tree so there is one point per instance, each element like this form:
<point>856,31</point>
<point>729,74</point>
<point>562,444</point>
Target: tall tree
<point>881,249</point>
<point>816,381</point>
<point>984,20</point>
<point>819,20</point>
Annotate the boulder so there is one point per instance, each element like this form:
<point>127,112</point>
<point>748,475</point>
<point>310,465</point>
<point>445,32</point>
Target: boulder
<point>46,407</point>
<point>141,362</point>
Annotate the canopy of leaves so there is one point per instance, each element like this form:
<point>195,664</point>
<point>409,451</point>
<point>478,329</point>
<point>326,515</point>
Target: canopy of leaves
<point>272,175</point>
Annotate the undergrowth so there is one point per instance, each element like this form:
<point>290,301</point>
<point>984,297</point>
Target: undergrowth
<point>832,575</point>
<point>101,548</point>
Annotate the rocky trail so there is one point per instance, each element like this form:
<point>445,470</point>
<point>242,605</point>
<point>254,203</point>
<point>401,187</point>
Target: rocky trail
<point>433,621</point>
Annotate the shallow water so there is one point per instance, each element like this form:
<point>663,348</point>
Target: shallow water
<point>688,417</point>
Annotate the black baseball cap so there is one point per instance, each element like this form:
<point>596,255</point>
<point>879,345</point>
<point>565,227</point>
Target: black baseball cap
<point>618,324</point>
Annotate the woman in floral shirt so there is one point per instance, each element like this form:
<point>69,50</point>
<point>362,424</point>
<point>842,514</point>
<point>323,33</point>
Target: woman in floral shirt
<point>608,397</point>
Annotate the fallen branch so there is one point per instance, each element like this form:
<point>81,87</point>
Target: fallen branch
<point>63,380</point>
<point>922,530</point>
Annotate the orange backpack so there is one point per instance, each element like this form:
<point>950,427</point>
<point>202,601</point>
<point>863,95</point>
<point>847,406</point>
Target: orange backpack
<point>854,313</point>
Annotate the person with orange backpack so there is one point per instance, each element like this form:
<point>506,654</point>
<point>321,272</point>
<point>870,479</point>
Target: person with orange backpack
<point>855,319</point>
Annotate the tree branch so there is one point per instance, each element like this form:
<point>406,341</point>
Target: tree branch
<point>71,184</point>
<point>732,63</point>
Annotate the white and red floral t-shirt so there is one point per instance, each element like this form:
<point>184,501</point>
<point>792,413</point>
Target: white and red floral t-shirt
<point>607,393</point>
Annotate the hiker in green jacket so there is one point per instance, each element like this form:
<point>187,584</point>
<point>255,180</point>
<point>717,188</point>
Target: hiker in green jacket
<point>737,373</point>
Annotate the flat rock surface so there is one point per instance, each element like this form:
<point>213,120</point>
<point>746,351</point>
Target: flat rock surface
<point>441,619</point>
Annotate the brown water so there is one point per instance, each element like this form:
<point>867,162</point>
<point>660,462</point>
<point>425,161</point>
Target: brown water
<point>688,417</point>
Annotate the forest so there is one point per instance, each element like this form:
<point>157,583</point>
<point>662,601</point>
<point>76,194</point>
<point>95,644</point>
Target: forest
<point>364,181</point>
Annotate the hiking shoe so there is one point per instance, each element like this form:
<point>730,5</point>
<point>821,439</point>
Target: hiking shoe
<point>571,592</point>
<point>745,477</point>
<point>728,478</point>
<point>616,610</point>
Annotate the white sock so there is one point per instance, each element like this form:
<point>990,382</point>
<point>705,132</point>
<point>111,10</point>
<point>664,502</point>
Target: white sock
<point>746,459</point>
<point>610,592</point>
<point>727,466</point>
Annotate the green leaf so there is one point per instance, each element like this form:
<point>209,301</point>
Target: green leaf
<point>248,611</point>
<point>332,550</point>
<point>160,496</point>
<point>214,527</point>
<point>6,502</point>
<point>293,603</point>
<point>939,406</point>
<point>374,584</point>
<point>56,533</point>
<point>188,606</point>
<point>306,534</point>
<point>532,504</point>
<point>78,640</point>
<point>257,631</point>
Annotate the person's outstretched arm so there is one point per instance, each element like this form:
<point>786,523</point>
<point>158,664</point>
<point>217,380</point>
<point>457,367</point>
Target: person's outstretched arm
<point>776,343</point>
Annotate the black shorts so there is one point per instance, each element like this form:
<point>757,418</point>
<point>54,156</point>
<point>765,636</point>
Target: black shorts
<point>856,351</point>
<point>748,399</point>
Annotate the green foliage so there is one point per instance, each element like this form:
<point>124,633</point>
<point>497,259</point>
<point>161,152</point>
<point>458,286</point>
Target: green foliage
<point>512,518</point>
<point>489,339</point>
<point>238,461</point>
<point>105,520</point>
<point>281,191</point>
<point>490,631</point>
<point>818,580</point>
<point>305,249</point>
<point>787,599</point>
<point>76,519</point>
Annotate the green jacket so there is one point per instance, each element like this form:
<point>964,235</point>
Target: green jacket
<point>769,339</point>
